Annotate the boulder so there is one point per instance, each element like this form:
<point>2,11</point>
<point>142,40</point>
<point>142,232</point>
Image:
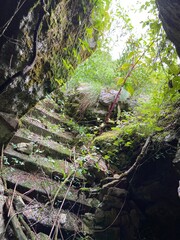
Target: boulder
<point>117,192</point>
<point>24,147</point>
<point>95,168</point>
<point>85,103</point>
<point>107,97</point>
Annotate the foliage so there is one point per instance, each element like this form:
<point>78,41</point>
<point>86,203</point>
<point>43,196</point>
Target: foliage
<point>98,69</point>
<point>97,72</point>
<point>154,81</point>
<point>100,16</point>
<point>76,128</point>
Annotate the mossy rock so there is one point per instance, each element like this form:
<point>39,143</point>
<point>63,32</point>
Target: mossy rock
<point>107,137</point>
<point>119,149</point>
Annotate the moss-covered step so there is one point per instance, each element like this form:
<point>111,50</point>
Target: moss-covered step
<point>33,163</point>
<point>42,145</point>
<point>46,190</point>
<point>107,138</point>
<point>49,104</point>
<point>69,225</point>
<point>46,129</point>
<point>40,112</point>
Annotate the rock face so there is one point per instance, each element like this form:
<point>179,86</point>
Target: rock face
<point>176,160</point>
<point>169,15</point>
<point>36,41</point>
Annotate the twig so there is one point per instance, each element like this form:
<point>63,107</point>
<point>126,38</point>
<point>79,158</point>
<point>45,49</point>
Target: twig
<point>60,187</point>
<point>6,25</point>
<point>56,220</point>
<point>12,199</point>
<point>19,209</point>
<point>9,192</point>
<point>2,156</point>
<point>30,233</point>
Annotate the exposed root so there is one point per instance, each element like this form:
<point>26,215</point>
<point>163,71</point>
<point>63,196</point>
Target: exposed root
<point>138,161</point>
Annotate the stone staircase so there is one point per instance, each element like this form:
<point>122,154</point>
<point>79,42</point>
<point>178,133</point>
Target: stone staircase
<point>40,163</point>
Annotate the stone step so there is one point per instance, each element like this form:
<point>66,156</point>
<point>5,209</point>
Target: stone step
<point>39,112</point>
<point>46,129</point>
<point>44,189</point>
<point>33,163</point>
<point>49,104</point>
<point>43,218</point>
<point>47,146</point>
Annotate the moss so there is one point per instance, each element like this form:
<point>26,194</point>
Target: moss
<point>118,148</point>
<point>107,137</point>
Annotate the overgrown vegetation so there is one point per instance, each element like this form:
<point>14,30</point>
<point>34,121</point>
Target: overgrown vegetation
<point>148,68</point>
<point>153,81</point>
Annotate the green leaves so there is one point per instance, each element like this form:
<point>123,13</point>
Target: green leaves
<point>130,55</point>
<point>155,26</point>
<point>174,69</point>
<point>59,81</point>
<point>99,69</point>
<point>100,16</point>
<point>129,88</point>
<point>125,66</point>
<point>176,82</point>
<point>120,81</point>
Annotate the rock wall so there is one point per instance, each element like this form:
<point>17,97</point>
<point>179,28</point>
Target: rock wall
<point>37,39</point>
<point>169,14</point>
